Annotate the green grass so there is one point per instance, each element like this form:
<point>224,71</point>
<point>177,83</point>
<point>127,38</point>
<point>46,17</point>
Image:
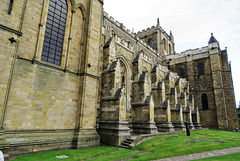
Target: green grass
<point>156,148</point>
<point>227,157</point>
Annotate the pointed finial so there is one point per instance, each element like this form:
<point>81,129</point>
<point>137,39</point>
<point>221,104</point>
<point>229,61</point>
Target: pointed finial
<point>132,30</point>
<point>158,23</point>
<point>212,39</point>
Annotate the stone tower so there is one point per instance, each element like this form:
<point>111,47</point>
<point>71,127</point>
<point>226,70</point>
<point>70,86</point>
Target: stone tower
<point>209,73</point>
<point>158,39</point>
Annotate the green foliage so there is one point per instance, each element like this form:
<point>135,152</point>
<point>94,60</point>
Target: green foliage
<point>156,148</point>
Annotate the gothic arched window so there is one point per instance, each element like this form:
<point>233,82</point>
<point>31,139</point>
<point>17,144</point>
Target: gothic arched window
<point>201,69</point>
<point>204,102</point>
<point>165,44</point>
<point>54,33</point>
<point>182,72</point>
<point>150,43</point>
<point>169,49</point>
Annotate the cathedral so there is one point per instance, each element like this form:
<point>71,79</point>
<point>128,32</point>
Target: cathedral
<point>73,77</point>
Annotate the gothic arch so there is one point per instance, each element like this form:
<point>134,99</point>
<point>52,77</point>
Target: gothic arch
<point>73,2</point>
<point>130,44</point>
<point>55,32</point>
<point>81,7</point>
<point>169,49</point>
<point>76,45</point>
<point>113,33</point>
<point>164,44</point>
<point>127,78</point>
<point>150,42</point>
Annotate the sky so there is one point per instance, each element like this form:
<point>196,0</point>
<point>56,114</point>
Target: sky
<point>191,22</point>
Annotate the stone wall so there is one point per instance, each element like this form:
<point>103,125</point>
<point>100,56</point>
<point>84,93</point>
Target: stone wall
<point>44,106</point>
<point>216,83</point>
<point>133,75</point>
<point>110,83</point>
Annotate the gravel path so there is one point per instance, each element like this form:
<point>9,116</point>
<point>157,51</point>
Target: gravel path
<point>202,155</point>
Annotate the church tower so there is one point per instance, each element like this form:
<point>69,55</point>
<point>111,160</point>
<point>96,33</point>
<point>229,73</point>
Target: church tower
<point>158,39</point>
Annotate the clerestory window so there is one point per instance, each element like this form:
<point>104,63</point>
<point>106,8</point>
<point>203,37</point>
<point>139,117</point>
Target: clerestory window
<point>54,33</point>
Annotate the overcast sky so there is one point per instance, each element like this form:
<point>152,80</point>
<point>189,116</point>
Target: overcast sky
<point>191,22</point>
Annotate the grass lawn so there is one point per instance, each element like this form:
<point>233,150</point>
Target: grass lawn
<point>156,148</point>
<point>227,157</point>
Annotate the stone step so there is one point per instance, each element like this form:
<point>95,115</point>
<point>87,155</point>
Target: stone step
<point>125,147</point>
<point>127,141</point>
<point>125,144</point>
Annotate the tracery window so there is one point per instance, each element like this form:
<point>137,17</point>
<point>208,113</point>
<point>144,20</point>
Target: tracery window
<point>54,33</point>
<point>204,102</point>
<point>201,69</point>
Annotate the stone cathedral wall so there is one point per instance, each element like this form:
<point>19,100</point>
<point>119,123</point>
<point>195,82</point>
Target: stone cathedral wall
<point>45,106</point>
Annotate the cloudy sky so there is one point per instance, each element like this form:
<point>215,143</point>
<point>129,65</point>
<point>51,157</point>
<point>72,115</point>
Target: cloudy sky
<point>191,22</point>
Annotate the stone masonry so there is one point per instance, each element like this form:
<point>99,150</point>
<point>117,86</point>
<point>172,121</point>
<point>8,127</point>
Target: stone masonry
<point>105,84</point>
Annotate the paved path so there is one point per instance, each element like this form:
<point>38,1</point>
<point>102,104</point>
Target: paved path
<point>202,155</point>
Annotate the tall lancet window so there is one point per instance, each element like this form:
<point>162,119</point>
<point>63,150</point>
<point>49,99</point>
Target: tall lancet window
<point>204,102</point>
<point>55,30</point>
<point>201,69</point>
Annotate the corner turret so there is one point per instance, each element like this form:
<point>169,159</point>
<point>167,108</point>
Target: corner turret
<point>213,45</point>
<point>212,39</point>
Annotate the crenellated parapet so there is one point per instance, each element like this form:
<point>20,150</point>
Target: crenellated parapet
<point>118,24</point>
<point>152,30</point>
<point>129,38</point>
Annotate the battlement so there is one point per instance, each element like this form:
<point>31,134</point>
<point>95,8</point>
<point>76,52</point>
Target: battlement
<point>152,29</point>
<point>127,31</point>
<point>188,53</point>
<point>124,43</point>
<point>118,24</point>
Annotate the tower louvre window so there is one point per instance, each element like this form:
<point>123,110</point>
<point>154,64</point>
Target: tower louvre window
<point>201,69</point>
<point>150,42</point>
<point>182,72</point>
<point>54,33</point>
